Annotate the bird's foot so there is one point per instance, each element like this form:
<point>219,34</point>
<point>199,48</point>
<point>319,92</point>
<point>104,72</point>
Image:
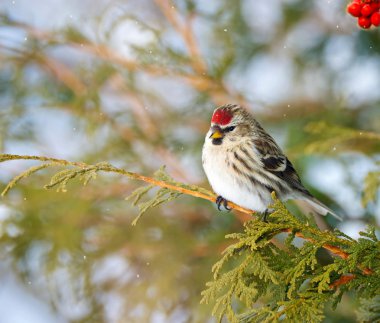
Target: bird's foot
<point>264,215</point>
<point>220,200</point>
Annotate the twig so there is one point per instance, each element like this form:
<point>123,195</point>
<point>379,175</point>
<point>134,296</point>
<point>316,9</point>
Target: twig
<point>184,29</point>
<point>333,249</point>
<point>182,190</point>
<point>112,169</point>
<point>336,251</point>
<point>62,73</point>
<point>344,279</point>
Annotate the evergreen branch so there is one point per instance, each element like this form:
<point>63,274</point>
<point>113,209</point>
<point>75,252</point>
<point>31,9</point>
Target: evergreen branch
<point>310,312</point>
<point>60,180</point>
<point>371,186</point>
<point>333,249</point>
<point>210,196</point>
<point>184,189</point>
<point>297,283</point>
<point>330,136</point>
<point>25,174</point>
<point>186,33</point>
<point>369,310</point>
<point>302,285</point>
<point>8,157</point>
<point>339,132</point>
<point>200,80</point>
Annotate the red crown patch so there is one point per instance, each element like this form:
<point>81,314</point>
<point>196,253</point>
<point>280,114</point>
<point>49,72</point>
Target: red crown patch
<point>221,117</point>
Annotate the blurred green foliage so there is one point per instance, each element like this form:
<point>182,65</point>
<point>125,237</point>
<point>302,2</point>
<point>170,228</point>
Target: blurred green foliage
<point>81,93</point>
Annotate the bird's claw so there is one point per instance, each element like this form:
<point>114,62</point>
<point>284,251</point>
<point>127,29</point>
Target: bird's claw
<point>220,200</point>
<point>264,215</point>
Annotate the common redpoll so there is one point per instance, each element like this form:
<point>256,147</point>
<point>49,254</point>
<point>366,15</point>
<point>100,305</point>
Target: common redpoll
<point>244,164</point>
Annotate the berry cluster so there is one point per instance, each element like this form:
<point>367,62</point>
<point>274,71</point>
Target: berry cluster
<point>367,12</point>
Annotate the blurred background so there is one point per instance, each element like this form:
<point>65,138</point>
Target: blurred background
<point>134,83</point>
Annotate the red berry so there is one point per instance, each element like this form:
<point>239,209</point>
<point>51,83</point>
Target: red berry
<point>375,6</point>
<point>364,22</point>
<point>375,19</point>
<point>366,10</point>
<point>354,9</point>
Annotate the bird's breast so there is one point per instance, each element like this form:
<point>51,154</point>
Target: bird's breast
<point>218,162</point>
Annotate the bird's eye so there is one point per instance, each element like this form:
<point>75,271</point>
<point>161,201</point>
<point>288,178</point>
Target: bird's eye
<point>228,129</point>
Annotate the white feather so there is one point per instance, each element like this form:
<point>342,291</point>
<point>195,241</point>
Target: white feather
<point>224,183</point>
<point>320,208</point>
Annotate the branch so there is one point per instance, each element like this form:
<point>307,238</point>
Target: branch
<point>344,279</point>
<point>333,249</point>
<point>111,169</point>
<point>188,190</point>
<point>184,29</point>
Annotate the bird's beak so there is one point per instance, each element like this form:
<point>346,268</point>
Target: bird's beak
<point>216,132</point>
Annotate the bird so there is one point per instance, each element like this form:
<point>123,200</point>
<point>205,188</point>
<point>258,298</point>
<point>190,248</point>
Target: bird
<point>244,164</point>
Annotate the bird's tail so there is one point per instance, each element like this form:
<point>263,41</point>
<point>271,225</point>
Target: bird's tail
<point>319,207</point>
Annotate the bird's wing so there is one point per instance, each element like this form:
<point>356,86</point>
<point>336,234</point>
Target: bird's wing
<point>275,162</point>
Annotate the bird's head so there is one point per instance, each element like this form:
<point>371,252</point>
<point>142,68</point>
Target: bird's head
<point>228,123</point>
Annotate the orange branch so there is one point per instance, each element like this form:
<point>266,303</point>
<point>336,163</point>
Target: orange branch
<point>333,249</point>
<point>211,198</point>
<point>344,279</point>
